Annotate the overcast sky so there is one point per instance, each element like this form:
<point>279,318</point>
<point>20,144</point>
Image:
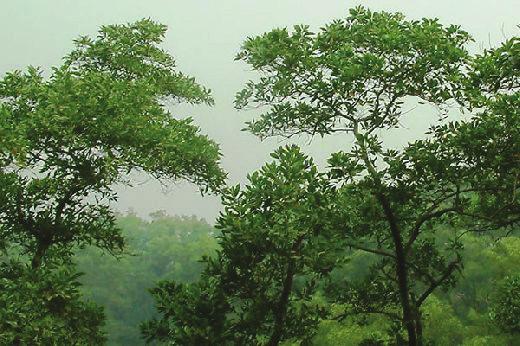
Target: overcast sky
<point>204,36</point>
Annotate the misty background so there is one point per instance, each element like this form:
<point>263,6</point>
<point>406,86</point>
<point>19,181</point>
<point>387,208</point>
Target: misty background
<point>204,36</point>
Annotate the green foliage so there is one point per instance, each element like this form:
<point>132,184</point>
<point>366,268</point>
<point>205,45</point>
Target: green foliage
<point>318,83</point>
<point>275,246</point>
<point>506,308</point>
<point>260,287</point>
<point>97,117</point>
<point>169,248</point>
<point>350,332</point>
<point>496,72</point>
<point>162,248</point>
<point>353,76</point>
<point>191,314</point>
<point>131,53</point>
<point>367,253</point>
<point>460,316</point>
<point>44,306</point>
<point>66,139</point>
<point>442,326</point>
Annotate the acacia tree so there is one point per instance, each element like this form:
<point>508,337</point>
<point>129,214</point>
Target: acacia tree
<point>353,76</point>
<point>67,139</point>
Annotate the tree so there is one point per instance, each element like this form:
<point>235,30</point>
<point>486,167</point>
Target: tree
<point>275,246</point>
<point>67,139</point>
<point>98,117</point>
<point>354,76</point>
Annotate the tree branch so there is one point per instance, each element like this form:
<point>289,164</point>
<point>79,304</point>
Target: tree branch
<point>424,218</point>
<point>367,249</point>
<point>451,268</point>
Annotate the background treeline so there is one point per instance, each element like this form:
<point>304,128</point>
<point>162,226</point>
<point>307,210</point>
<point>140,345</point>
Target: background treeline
<point>162,247</point>
<point>170,247</point>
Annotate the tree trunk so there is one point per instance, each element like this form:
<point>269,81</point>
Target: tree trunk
<point>400,256</point>
<point>36,261</point>
<point>280,310</point>
<point>401,271</point>
<point>419,327</point>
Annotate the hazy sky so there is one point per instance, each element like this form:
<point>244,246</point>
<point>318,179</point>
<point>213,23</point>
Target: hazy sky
<point>204,36</point>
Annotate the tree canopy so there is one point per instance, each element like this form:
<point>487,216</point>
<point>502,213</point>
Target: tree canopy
<point>67,138</point>
<point>373,246</point>
<point>355,76</point>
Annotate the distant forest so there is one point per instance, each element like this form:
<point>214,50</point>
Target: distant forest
<point>169,248</point>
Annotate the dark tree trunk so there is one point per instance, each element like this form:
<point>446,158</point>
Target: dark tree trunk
<point>401,271</point>
<point>280,310</point>
<point>400,255</point>
<point>37,259</point>
<point>419,327</point>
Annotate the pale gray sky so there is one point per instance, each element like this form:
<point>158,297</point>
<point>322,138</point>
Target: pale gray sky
<point>204,36</point>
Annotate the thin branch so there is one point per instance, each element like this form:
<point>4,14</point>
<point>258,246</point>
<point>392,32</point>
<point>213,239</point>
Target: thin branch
<point>451,268</point>
<point>367,249</point>
<point>346,314</point>
<point>424,218</point>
